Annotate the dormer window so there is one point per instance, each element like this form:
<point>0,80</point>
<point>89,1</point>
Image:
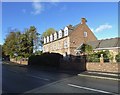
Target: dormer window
<point>55,36</point>
<point>60,34</point>
<point>85,34</point>
<point>44,40</point>
<point>51,37</point>
<point>66,31</point>
<point>47,39</point>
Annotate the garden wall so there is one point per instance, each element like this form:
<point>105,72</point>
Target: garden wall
<point>23,62</point>
<point>103,67</point>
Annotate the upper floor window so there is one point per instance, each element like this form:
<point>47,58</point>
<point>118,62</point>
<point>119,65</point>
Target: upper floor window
<point>51,37</point>
<point>44,40</point>
<point>66,31</point>
<point>65,44</point>
<point>85,34</point>
<point>60,34</point>
<point>55,36</point>
<point>47,39</point>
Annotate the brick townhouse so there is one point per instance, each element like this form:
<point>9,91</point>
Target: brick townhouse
<point>66,40</point>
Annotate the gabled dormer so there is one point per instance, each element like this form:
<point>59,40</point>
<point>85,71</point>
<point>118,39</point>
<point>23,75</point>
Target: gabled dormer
<point>66,31</point>
<point>60,33</point>
<point>51,37</point>
<point>55,36</point>
<point>45,40</point>
<point>48,39</point>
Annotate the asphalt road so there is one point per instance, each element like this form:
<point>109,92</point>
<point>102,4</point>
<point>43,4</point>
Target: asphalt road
<point>19,79</point>
<point>16,79</point>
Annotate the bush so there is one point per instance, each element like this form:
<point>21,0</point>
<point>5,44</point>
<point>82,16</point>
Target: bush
<point>95,57</point>
<point>45,59</point>
<point>118,57</point>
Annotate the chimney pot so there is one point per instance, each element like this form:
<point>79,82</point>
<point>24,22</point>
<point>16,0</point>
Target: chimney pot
<point>83,20</point>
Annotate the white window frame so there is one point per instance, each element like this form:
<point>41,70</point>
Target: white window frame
<point>85,34</point>
<point>65,44</point>
<point>51,38</point>
<point>48,39</point>
<point>44,40</point>
<point>66,31</point>
<point>60,34</point>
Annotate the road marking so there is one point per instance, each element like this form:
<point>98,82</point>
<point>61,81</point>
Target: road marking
<point>39,78</point>
<point>99,77</point>
<point>96,90</point>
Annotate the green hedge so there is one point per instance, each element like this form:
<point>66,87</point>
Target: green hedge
<point>118,57</point>
<point>45,59</point>
<point>95,57</point>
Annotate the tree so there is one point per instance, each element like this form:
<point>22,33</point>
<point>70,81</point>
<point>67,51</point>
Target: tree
<point>10,45</point>
<point>21,44</point>
<point>48,32</point>
<point>85,48</point>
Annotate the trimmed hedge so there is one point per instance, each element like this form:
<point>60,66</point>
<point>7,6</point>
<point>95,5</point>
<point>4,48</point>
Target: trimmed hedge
<point>45,59</point>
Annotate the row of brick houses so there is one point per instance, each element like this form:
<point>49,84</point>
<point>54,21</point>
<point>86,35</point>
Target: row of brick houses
<point>67,40</point>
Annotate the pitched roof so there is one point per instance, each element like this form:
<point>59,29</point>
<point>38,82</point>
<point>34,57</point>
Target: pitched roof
<point>71,28</point>
<point>104,44</point>
<point>94,44</point>
<point>113,42</point>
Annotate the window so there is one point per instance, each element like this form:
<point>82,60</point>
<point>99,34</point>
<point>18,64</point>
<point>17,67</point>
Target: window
<point>51,37</point>
<point>47,39</point>
<point>65,44</point>
<point>60,34</point>
<point>44,40</point>
<point>85,34</point>
<point>55,36</point>
<point>66,31</point>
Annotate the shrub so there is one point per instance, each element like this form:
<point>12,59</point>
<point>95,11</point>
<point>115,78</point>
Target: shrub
<point>118,57</point>
<point>95,57</point>
<point>45,59</point>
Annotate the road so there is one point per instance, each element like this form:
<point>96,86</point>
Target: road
<point>19,79</point>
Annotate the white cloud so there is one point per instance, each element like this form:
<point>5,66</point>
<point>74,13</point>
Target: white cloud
<point>37,7</point>
<point>102,28</point>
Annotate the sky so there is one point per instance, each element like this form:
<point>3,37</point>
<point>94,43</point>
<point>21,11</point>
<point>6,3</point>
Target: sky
<point>102,17</point>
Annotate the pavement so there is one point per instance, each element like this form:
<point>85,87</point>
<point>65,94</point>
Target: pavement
<point>101,75</point>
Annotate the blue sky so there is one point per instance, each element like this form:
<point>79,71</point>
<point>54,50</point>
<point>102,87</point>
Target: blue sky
<point>102,17</point>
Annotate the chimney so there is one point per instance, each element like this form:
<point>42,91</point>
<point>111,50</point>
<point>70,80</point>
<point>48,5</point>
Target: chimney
<point>69,26</point>
<point>83,20</point>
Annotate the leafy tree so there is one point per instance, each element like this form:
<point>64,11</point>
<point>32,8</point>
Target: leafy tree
<point>48,32</point>
<point>10,45</point>
<point>85,48</point>
<point>38,52</point>
<point>21,44</point>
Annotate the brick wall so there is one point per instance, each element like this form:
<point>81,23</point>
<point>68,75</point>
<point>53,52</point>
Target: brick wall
<point>19,62</point>
<point>104,67</point>
<point>57,46</point>
<point>77,37</point>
